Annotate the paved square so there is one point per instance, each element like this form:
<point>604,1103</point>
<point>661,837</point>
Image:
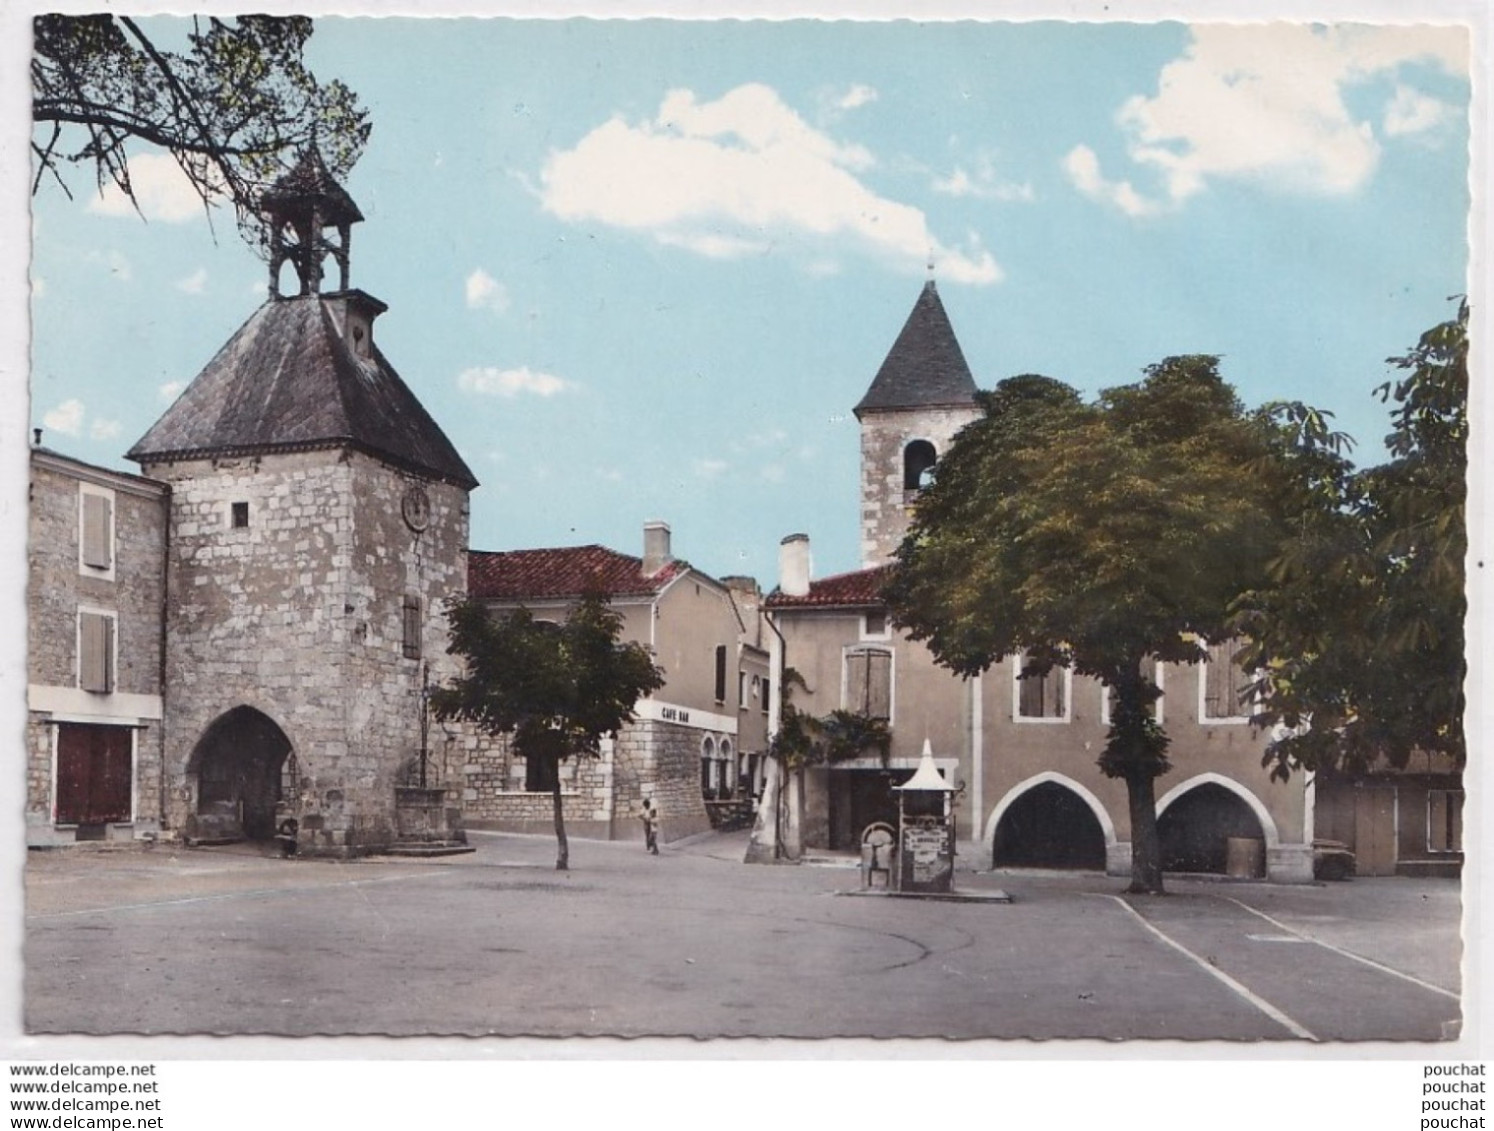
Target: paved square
<point>695,943</point>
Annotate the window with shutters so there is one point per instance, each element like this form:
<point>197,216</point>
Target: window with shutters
<point>1041,698</point>
<point>96,651</point>
<point>721,673</point>
<point>1445,820</point>
<point>411,627</point>
<point>95,775</point>
<point>1223,697</point>
<point>96,531</point>
<point>1107,697</point>
<point>541,774</point>
<point>868,682</point>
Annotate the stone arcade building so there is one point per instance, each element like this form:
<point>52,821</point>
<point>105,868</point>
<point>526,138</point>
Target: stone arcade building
<point>251,623</point>
<point>1024,751</point>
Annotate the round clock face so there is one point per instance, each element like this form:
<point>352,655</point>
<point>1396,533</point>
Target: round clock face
<point>416,507</point>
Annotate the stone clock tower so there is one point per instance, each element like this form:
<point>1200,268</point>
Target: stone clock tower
<point>318,519</point>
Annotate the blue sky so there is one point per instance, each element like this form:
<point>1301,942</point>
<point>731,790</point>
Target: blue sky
<point>643,269</point>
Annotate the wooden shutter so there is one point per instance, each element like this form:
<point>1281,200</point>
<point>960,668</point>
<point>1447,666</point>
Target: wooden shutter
<point>1224,683</point>
<point>96,530</point>
<point>721,673</point>
<point>879,685</point>
<point>96,652</point>
<point>411,622</point>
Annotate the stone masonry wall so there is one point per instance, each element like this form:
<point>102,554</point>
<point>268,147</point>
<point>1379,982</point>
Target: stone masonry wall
<point>299,616</point>
<point>602,797</point>
<point>885,509</point>
<point>134,594</point>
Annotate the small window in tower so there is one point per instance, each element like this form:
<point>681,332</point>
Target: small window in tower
<point>411,622</point>
<point>919,458</point>
<point>240,515</point>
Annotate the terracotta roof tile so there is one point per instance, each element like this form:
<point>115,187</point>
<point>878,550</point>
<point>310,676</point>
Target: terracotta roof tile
<point>861,588</point>
<point>530,575</point>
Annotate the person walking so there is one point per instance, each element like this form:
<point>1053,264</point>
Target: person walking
<point>650,817</point>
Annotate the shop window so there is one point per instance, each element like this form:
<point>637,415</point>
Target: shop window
<point>1445,820</point>
<point>868,682</point>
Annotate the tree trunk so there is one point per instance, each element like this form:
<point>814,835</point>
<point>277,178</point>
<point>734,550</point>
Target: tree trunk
<point>562,848</point>
<point>792,837</point>
<point>1146,847</point>
<point>765,846</point>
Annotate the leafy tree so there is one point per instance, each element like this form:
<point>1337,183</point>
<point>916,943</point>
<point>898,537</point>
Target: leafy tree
<point>554,689</point>
<point>234,108</point>
<point>1102,536</point>
<point>1359,632</point>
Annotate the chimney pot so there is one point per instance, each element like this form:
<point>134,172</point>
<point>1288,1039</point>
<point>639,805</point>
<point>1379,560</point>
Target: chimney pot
<point>656,550</point>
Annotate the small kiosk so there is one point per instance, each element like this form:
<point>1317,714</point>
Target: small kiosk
<point>925,829</point>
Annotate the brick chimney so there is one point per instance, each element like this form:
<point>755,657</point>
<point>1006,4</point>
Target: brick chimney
<point>656,553</point>
<point>794,565</point>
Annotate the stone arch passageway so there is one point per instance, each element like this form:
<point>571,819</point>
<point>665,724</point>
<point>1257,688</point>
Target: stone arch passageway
<point>237,764</point>
<point>1048,825</point>
<point>1196,825</point>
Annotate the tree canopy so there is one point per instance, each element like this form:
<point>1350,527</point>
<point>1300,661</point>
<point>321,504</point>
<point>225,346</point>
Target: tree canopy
<point>556,690</point>
<point>235,107</point>
<point>1358,634</point>
<point>1100,536</point>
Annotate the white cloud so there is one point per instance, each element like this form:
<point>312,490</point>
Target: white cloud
<point>485,292</point>
<point>1412,112</point>
<point>859,95</point>
<point>104,429</point>
<point>161,189</point>
<point>773,473</point>
<point>171,390</point>
<point>492,381</point>
<point>983,184</point>
<point>194,283</point>
<point>739,176</point>
<point>66,418</point>
<point>1267,103</point>
<point>709,468</point>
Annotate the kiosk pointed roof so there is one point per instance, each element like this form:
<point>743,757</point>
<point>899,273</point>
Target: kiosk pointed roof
<point>925,366</point>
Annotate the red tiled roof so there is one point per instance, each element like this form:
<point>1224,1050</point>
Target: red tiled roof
<point>532,575</point>
<point>861,587</point>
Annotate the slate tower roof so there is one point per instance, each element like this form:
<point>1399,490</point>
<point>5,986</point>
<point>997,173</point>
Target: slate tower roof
<point>304,373</point>
<point>289,380</point>
<point>925,366</point>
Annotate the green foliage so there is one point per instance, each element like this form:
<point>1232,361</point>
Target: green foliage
<point>1102,536</point>
<point>235,108</point>
<point>1359,631</point>
<point>557,689</point>
<point>850,734</point>
<point>803,740</point>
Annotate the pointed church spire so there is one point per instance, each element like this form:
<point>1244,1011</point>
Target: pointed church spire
<point>300,208</point>
<point>925,366</point>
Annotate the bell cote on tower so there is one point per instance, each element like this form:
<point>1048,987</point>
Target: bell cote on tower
<point>310,218</point>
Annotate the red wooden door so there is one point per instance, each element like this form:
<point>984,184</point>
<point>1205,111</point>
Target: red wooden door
<point>94,777</point>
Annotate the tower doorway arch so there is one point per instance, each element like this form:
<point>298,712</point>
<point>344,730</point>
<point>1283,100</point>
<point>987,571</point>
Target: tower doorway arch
<point>1049,824</point>
<point>238,763</point>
